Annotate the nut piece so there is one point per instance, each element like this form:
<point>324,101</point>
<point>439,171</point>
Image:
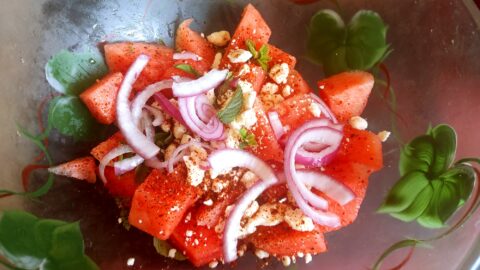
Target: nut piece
<point>261,254</point>
<point>217,60</point>
<point>358,122</point>
<point>286,261</point>
<point>383,135</point>
<point>219,39</point>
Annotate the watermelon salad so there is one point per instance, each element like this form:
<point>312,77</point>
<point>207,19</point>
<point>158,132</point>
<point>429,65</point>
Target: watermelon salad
<point>237,151</point>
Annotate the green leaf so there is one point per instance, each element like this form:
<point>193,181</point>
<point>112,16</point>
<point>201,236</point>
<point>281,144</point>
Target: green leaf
<point>404,192</point>
<point>445,139</point>
<point>247,139</point>
<point>418,206</point>
<point>44,230</point>
<point>163,247</point>
<point>463,177</point>
<point>189,69</point>
<point>71,73</point>
<point>444,202</point>
<point>232,109</point>
<point>358,46</point>
<point>418,155</point>
<point>71,117</point>
<point>252,48</point>
<point>261,56</point>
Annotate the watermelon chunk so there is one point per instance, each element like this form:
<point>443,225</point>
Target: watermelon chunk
<point>279,56</point>
<point>99,151</point>
<point>120,186</point>
<point>294,111</point>
<point>267,147</point>
<point>81,168</point>
<point>298,83</point>
<point>101,97</point>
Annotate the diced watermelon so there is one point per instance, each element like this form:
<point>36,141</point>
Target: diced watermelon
<point>294,111</point>
<point>191,41</point>
<point>281,240</point>
<point>298,84</point>
<point>256,76</point>
<point>267,147</point>
<point>101,97</point>
<point>346,93</point>
<point>274,194</point>
<point>99,151</point>
<point>120,186</point>
<point>81,168</point>
<point>202,247</point>
<point>160,202</point>
<point>279,56</point>
<point>361,146</point>
<point>120,56</point>
<point>251,26</point>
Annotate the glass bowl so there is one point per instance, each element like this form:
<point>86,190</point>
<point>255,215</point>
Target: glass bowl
<point>434,68</point>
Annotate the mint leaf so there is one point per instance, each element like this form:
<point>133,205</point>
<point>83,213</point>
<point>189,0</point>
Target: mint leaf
<point>163,247</point>
<point>71,73</point>
<point>360,45</point>
<point>445,140</point>
<point>252,48</point>
<point>404,192</point>
<point>418,155</point>
<point>232,109</point>
<point>261,56</point>
<point>189,69</point>
<point>247,139</point>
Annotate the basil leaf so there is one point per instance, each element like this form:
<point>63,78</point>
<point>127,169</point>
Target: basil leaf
<point>417,155</point>
<point>445,140</point>
<point>360,45</point>
<point>71,117</point>
<point>404,192</point>
<point>443,204</point>
<point>163,247</point>
<point>232,109</point>
<point>189,69</point>
<point>417,207</point>
<point>463,177</point>
<point>71,73</point>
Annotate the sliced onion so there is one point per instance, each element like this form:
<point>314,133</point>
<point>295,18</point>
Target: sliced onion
<point>134,137</point>
<point>331,187</point>
<point>224,160</point>
<point>276,124</point>
<point>169,108</point>
<point>114,153</point>
<point>157,114</point>
<point>201,85</point>
<point>315,131</point>
<point>211,130</point>
<point>179,153</point>
<point>186,56</point>
<point>324,108</point>
<point>204,109</point>
<point>141,99</point>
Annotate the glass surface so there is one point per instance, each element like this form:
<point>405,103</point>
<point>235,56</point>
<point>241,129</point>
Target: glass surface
<point>435,69</point>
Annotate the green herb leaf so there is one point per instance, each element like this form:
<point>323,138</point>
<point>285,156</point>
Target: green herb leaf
<point>261,56</point>
<point>71,73</point>
<point>163,247</point>
<point>252,48</point>
<point>28,242</point>
<point>189,69</point>
<point>71,117</point>
<point>232,109</point>
<point>358,46</point>
<point>247,139</point>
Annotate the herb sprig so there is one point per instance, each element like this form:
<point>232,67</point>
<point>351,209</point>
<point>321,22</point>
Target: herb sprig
<point>247,139</point>
<point>261,56</point>
<point>233,107</point>
<point>188,69</point>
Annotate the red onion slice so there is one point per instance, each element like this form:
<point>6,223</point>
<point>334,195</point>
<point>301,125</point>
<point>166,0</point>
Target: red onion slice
<point>114,153</point>
<point>331,187</point>
<point>169,108</point>
<point>201,85</point>
<point>186,56</point>
<point>204,109</point>
<point>141,99</point>
<point>223,161</point>
<point>276,124</point>
<point>211,130</point>
<point>324,108</point>
<point>157,115</point>
<point>134,137</point>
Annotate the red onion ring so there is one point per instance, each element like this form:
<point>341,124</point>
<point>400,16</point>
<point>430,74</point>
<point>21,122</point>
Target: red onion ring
<point>141,99</point>
<point>136,139</point>
<point>157,114</point>
<point>204,109</point>
<point>114,153</point>
<point>201,85</point>
<point>324,108</point>
<point>224,160</point>
<point>331,187</point>
<point>186,56</point>
<point>211,130</point>
<point>276,124</point>
<point>169,108</point>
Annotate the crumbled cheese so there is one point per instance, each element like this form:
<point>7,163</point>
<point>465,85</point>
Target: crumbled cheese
<point>188,233</point>
<point>271,100</point>
<point>308,258</point>
<point>245,69</point>
<point>195,173</point>
<point>131,261</point>
<point>217,60</point>
<point>287,91</point>
<point>166,126</point>
<point>298,221</point>
<point>358,122</point>
<point>383,135</point>
<point>172,252</point>
<point>186,139</point>
<point>248,118</point>
<point>252,209</point>
<point>314,108</point>
<point>218,185</point>
<point>248,179</point>
<point>269,214</point>
<point>261,254</point>
<point>286,261</point>
<point>213,264</point>
<point>208,202</point>
<point>239,56</point>
<point>247,87</point>
<point>300,254</point>
<point>269,88</point>
<point>175,208</point>
<point>249,100</point>
<point>233,139</point>
<point>169,151</point>
<point>219,39</point>
<point>178,130</point>
<point>279,73</point>
<point>211,96</point>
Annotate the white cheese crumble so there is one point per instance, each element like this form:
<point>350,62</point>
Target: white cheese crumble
<point>172,252</point>
<point>308,258</point>
<point>239,56</point>
<point>268,214</point>
<point>188,233</point>
<point>232,140</point>
<point>195,173</point>
<point>300,254</point>
<point>261,254</point>
<point>208,202</point>
<point>314,108</point>
<point>252,209</point>
<point>287,91</point>
<point>218,185</point>
<point>178,130</point>
<point>249,95</point>
<point>269,88</point>
<point>219,38</point>
<point>298,221</point>
<point>248,179</point>
<point>131,261</point>
<point>358,122</point>
<point>216,60</point>
<point>279,73</point>
<point>383,135</point>
<point>213,264</point>
<point>286,261</point>
<point>245,69</point>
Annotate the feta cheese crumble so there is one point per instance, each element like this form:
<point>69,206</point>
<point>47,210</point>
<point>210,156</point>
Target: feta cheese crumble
<point>239,56</point>
<point>314,108</point>
<point>279,73</point>
<point>358,122</point>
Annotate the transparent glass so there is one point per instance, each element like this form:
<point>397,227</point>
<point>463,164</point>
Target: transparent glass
<point>435,71</point>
